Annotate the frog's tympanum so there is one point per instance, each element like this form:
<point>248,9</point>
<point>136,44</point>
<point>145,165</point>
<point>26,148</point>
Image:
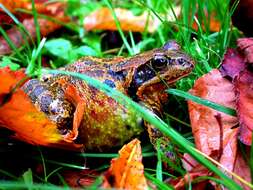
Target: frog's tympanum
<point>88,116</point>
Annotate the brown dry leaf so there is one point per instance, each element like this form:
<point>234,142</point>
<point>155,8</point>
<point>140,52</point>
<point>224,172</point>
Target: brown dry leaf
<point>102,19</point>
<point>242,169</point>
<point>181,183</point>
<point>246,46</point>
<point>213,131</point>
<point>232,64</point>
<point>244,94</point>
<point>205,125</point>
<point>127,171</point>
<point>82,178</point>
<point>41,6</point>
<point>17,38</point>
<point>195,170</point>
<point>46,27</point>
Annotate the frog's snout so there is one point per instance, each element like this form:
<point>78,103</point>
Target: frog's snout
<point>185,62</point>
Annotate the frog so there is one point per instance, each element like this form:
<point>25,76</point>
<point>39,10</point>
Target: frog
<point>88,116</point>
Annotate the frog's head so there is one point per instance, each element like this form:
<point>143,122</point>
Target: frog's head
<point>158,68</point>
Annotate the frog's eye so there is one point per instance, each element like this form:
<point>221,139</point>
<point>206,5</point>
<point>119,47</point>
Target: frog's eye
<point>159,62</point>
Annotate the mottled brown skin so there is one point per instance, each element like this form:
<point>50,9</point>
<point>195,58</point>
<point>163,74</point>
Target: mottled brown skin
<point>92,118</point>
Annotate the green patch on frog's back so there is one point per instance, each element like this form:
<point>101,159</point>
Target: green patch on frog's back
<point>108,124</point>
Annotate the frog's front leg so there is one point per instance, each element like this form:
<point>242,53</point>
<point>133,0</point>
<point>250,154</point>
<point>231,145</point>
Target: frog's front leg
<point>157,138</point>
<point>160,141</point>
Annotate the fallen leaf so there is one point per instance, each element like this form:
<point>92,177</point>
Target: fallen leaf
<point>232,64</point>
<point>213,131</point>
<point>18,114</point>
<point>241,168</point>
<point>82,178</point>
<point>182,182</point>
<point>12,5</point>
<point>246,46</point>
<point>41,6</point>
<point>127,171</point>
<point>208,133</point>
<point>244,94</point>
<point>46,27</point>
<point>17,37</point>
<point>9,79</point>
<point>102,19</point>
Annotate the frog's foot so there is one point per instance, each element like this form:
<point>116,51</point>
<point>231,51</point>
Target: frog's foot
<point>72,95</point>
<point>160,141</point>
<point>153,133</point>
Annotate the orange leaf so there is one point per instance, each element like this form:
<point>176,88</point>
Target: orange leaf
<point>102,19</point>
<point>207,130</point>
<point>11,5</point>
<point>19,114</point>
<point>214,25</point>
<point>127,171</point>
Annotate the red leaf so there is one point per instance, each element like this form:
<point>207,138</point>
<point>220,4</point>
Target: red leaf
<point>246,45</point>
<point>206,129</point>
<point>232,64</point>
<point>84,178</point>
<point>244,94</point>
<point>242,169</point>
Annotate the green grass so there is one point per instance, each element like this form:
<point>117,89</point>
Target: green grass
<point>206,47</point>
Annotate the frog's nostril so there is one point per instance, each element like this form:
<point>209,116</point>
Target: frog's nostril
<point>181,61</point>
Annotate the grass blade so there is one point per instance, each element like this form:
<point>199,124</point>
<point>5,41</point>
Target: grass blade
<point>10,43</point>
<point>37,29</point>
<point>157,182</point>
<point>202,101</point>
<point>109,5</point>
